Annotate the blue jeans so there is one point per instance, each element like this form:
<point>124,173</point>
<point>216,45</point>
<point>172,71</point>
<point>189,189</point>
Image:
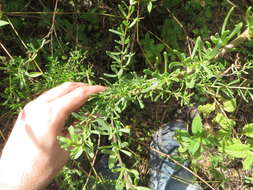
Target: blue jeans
<point>165,174</point>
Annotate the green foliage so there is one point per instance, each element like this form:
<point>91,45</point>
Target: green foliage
<point>122,56</point>
<point>219,141</point>
<point>248,130</point>
<point>230,105</point>
<point>238,150</point>
<point>171,33</point>
<point>58,69</point>
<point>206,109</point>
<point>153,52</point>
<point>223,121</point>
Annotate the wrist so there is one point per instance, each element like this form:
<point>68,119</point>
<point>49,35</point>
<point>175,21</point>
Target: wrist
<point>15,177</point>
<point>6,179</point>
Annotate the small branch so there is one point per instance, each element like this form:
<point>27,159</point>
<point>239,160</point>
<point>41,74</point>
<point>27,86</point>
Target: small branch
<point>52,29</point>
<point>93,164</point>
<point>126,176</point>
<point>2,135</point>
<point>6,51</point>
<point>240,39</point>
<point>17,34</point>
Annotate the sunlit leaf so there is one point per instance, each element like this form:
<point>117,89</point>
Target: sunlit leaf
<point>230,105</point>
<point>248,130</point>
<point>197,126</point>
<point>3,23</point>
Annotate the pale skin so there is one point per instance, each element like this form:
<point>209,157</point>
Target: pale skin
<point>32,155</point>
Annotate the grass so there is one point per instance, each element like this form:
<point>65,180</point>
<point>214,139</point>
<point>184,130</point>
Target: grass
<point>156,57</point>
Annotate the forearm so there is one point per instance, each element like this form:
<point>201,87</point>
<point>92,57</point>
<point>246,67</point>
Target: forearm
<point>38,171</point>
<point>15,177</point>
<point>8,181</point>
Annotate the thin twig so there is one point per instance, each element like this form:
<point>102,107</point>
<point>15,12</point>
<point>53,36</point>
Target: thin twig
<point>126,176</point>
<point>52,28</point>
<point>2,135</point>
<point>231,3</point>
<point>15,31</point>
<point>176,20</point>
<point>23,43</point>
<point>236,65</point>
<point>93,163</point>
<point>6,51</point>
<point>62,13</point>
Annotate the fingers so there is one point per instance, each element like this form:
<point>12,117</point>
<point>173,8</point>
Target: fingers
<point>76,98</point>
<point>59,91</point>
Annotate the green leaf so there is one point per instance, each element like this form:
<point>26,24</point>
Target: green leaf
<point>198,44</point>
<point>107,151</point>
<point>3,23</point>
<point>72,133</point>
<point>226,21</point>
<point>249,19</point>
<point>116,32</point>
<point>123,12</point>
<point>190,83</point>
<point>197,126</point>
<point>248,130</point>
<point>112,160</point>
<point>126,152</point>
<point>134,22</point>
<point>236,30</point>
<point>140,103</point>
<point>132,2</point>
<point>34,74</point>
<point>237,149</point>
<point>125,130</point>
<point>206,109</point>
<point>150,6</point>
<point>247,163</point>
<point>223,121</point>
<point>78,153</point>
<point>230,105</point>
<point>194,146</point>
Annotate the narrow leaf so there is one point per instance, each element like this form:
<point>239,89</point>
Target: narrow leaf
<point>3,23</point>
<point>226,21</point>
<point>126,152</point>
<point>34,74</point>
<point>150,6</point>
<point>248,130</point>
<point>116,32</point>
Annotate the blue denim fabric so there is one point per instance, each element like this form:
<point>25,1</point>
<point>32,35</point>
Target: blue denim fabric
<point>165,174</point>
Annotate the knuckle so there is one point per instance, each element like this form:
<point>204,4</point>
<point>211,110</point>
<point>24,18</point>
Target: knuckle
<point>36,105</point>
<point>83,89</point>
<point>68,84</point>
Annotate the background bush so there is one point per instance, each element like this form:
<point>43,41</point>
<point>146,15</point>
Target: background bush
<point>156,57</point>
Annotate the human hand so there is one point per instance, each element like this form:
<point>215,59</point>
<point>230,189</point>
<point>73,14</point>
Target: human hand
<point>32,155</point>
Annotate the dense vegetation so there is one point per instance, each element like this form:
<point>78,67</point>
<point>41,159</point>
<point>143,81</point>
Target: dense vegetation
<point>156,57</point>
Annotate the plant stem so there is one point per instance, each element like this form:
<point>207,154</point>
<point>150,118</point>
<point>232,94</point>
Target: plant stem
<point>240,39</point>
